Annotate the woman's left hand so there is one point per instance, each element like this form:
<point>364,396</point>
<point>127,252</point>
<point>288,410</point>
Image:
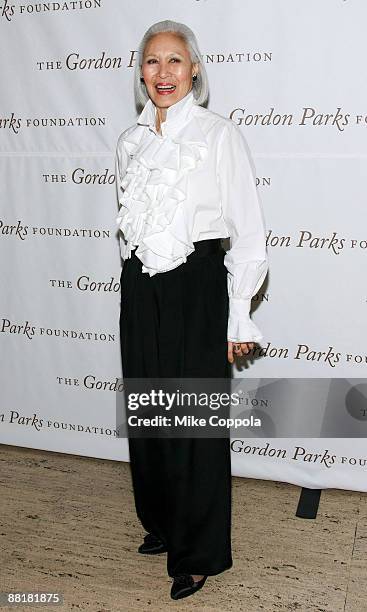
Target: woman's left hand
<point>238,349</point>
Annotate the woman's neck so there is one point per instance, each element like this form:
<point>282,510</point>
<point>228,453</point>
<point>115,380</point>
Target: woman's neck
<point>160,117</point>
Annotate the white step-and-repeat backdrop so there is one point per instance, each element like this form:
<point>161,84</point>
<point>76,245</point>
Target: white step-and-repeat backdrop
<point>292,75</point>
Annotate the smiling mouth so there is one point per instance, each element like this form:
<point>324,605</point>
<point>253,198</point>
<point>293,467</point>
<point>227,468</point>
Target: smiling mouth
<point>165,89</point>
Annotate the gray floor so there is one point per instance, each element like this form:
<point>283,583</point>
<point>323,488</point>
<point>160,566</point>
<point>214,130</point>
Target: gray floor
<point>68,525</point>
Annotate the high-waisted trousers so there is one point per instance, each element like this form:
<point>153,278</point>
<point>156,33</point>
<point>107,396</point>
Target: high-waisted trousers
<point>174,325</point>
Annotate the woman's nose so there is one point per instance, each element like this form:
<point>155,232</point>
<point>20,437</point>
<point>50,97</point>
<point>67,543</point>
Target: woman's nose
<point>163,70</point>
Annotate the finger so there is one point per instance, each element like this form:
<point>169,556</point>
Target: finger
<point>237,349</point>
<point>249,346</point>
<point>230,352</point>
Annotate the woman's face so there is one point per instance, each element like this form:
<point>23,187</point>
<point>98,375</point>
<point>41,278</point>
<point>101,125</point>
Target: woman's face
<point>167,62</point>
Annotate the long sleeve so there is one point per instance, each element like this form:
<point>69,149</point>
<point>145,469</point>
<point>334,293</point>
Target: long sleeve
<point>121,159</point>
<point>246,260</point>
<point>121,162</point>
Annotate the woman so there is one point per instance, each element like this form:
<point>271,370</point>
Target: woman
<point>185,180</point>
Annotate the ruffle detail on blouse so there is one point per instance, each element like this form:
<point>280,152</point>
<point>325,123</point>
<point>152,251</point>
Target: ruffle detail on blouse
<point>154,185</point>
<point>242,330</point>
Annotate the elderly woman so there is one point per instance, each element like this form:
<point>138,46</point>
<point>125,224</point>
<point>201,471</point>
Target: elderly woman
<point>185,180</point>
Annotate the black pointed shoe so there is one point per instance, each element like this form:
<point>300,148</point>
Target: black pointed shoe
<point>152,545</point>
<point>184,585</point>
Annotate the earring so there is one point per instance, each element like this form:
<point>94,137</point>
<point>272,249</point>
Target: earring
<point>194,77</point>
<point>142,79</point>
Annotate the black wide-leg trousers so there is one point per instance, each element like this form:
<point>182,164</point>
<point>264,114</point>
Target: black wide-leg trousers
<point>174,325</point>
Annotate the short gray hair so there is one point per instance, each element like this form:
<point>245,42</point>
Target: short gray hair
<point>200,87</point>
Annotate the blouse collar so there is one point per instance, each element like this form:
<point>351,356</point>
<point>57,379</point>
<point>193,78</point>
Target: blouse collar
<point>176,115</point>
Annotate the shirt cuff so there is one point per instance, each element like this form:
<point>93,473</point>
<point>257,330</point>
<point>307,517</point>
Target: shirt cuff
<point>240,326</point>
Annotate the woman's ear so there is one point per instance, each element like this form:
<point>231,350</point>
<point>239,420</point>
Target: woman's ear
<point>195,69</point>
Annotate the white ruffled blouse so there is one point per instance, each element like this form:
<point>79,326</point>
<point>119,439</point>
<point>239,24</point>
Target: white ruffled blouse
<point>195,181</point>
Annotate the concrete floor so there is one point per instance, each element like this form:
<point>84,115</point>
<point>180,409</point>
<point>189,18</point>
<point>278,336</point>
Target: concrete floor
<point>68,525</point>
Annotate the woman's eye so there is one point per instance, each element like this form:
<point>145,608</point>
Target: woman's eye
<point>174,59</point>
